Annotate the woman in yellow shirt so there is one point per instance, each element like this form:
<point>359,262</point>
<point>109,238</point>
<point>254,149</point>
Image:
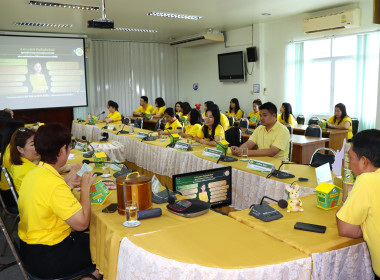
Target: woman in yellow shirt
<point>38,80</point>
<point>23,155</point>
<point>185,111</point>
<point>172,124</point>
<point>286,116</point>
<point>235,109</point>
<point>159,111</point>
<point>340,120</point>
<point>255,115</point>
<point>178,109</point>
<point>211,132</point>
<point>113,116</point>
<point>195,123</point>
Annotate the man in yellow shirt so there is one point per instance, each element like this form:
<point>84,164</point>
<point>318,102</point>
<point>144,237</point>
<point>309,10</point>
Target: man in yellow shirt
<point>360,214</point>
<point>271,138</point>
<point>172,124</point>
<point>144,108</point>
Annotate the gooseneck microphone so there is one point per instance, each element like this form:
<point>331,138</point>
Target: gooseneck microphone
<point>308,164</point>
<point>100,114</point>
<point>282,203</point>
<point>89,161</point>
<point>88,154</point>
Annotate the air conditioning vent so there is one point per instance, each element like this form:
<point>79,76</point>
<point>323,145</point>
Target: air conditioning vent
<point>198,40</point>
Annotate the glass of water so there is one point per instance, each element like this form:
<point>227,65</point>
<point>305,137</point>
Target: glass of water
<point>131,214</point>
<point>244,153</point>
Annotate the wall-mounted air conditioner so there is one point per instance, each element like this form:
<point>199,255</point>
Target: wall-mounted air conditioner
<point>198,40</point>
<point>333,21</point>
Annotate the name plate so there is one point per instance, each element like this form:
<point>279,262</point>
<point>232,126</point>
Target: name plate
<point>260,166</point>
<point>211,153</point>
<point>142,134</point>
<point>110,127</point>
<point>182,146</point>
<point>80,146</point>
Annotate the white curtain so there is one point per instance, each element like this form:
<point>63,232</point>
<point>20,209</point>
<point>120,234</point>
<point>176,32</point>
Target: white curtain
<point>125,71</point>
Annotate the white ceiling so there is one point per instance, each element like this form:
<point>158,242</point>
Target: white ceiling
<point>217,14</point>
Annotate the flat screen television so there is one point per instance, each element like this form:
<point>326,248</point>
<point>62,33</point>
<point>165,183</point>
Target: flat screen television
<point>212,186</point>
<point>231,67</point>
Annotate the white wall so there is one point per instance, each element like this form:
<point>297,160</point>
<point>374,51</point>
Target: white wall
<point>200,64</point>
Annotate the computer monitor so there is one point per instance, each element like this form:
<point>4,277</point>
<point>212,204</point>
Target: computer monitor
<point>212,186</point>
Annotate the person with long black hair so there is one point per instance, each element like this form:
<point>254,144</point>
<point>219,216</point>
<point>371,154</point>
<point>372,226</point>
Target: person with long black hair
<point>178,109</point>
<point>114,115</point>
<point>159,111</point>
<point>234,109</point>
<point>212,131</point>
<point>254,116</point>
<point>286,116</point>
<point>195,123</point>
<point>340,120</point>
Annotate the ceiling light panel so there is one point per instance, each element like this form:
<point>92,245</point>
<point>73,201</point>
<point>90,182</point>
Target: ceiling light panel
<point>135,30</point>
<point>40,24</point>
<point>62,5</point>
<point>172,15</point>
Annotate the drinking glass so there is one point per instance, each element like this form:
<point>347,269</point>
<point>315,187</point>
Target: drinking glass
<point>244,152</point>
<point>131,214</point>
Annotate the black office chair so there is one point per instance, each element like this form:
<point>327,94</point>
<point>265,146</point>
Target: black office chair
<point>313,131</point>
<point>289,127</point>
<point>301,119</point>
<point>258,123</point>
<point>234,136</point>
<point>231,120</point>
<point>139,123</point>
<point>355,125</point>
<point>242,116</point>
<point>313,120</point>
<point>159,125</point>
<point>318,159</point>
<point>244,123</point>
<point>290,150</point>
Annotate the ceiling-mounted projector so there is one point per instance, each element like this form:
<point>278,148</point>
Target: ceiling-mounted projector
<point>100,23</point>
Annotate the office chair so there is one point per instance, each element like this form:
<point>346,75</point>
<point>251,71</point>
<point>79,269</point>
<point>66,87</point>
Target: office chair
<point>242,116</point>
<point>289,127</point>
<point>244,123</point>
<point>139,123</point>
<point>159,125</point>
<point>313,120</point>
<point>318,159</point>
<point>258,123</point>
<point>290,150</point>
<point>301,119</point>
<point>355,125</point>
<point>313,131</point>
<point>234,136</point>
<point>231,120</point>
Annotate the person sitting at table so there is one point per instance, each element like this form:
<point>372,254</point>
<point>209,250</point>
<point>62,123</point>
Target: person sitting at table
<point>159,111</point>
<point>10,111</point>
<point>49,212</point>
<point>223,119</point>
<point>114,115</point>
<point>212,131</point>
<point>178,109</point>
<point>172,125</point>
<point>234,109</point>
<point>195,123</point>
<point>286,116</point>
<point>341,120</point>
<point>185,110</point>
<point>144,108</point>
<point>269,139</point>
<point>360,214</point>
<point>256,111</point>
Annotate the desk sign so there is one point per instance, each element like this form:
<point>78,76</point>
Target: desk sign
<point>211,153</point>
<point>182,146</point>
<point>80,146</point>
<point>99,192</point>
<point>111,127</point>
<point>260,166</point>
<point>142,134</point>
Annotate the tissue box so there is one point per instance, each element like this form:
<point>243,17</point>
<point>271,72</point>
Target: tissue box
<point>222,146</point>
<point>99,157</point>
<point>322,124</point>
<point>174,138</point>
<point>327,195</point>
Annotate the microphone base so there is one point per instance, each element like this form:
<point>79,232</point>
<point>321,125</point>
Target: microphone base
<point>228,159</point>
<point>265,212</point>
<point>103,140</point>
<point>123,132</point>
<point>171,145</point>
<point>88,155</point>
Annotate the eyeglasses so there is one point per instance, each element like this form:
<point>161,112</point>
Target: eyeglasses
<point>24,129</point>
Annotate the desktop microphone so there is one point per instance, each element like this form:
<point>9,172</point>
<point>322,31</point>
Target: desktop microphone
<point>100,114</point>
<point>88,154</point>
<point>89,161</point>
<point>265,212</point>
<point>149,137</point>
<point>282,203</point>
<point>308,164</point>
<point>171,144</point>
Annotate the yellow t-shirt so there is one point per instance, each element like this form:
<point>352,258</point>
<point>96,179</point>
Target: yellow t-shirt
<point>8,165</point>
<point>115,116</point>
<point>224,121</point>
<point>277,136</point>
<point>219,131</point>
<point>18,172</point>
<point>174,125</point>
<point>346,119</point>
<point>148,110</point>
<point>291,120</point>
<point>192,129</point>
<point>239,114</point>
<point>45,202</point>
<point>159,110</point>
<point>362,207</point>
<point>180,114</point>
<point>257,115</point>
<point>38,83</point>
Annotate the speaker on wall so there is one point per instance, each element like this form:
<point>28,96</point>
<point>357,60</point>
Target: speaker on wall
<point>376,11</point>
<point>252,54</point>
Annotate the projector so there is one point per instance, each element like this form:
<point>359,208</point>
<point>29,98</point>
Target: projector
<point>100,23</point>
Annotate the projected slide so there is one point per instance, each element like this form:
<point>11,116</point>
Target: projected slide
<point>42,72</point>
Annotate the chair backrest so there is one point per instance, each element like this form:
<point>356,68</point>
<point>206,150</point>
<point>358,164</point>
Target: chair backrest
<point>258,123</point>
<point>244,123</point>
<point>231,120</point>
<point>301,119</point>
<point>289,127</point>
<point>126,121</point>
<point>313,120</point>
<point>159,125</point>
<point>318,159</point>
<point>242,116</point>
<point>313,131</point>
<point>355,125</point>
<point>290,150</point>
<point>9,180</point>
<point>139,123</point>
<point>234,136</point>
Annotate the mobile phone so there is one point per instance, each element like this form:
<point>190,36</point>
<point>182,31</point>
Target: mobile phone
<point>110,208</point>
<point>310,227</point>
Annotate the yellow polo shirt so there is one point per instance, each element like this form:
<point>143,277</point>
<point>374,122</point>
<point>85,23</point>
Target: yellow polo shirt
<point>115,116</point>
<point>148,110</point>
<point>224,121</point>
<point>7,164</point>
<point>159,110</point>
<point>346,119</point>
<point>257,115</point>
<point>277,136</point>
<point>174,125</point>
<point>362,207</point>
<point>45,202</point>
<point>239,114</point>
<point>292,121</point>
<point>219,131</point>
<point>192,129</point>
<point>18,172</point>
